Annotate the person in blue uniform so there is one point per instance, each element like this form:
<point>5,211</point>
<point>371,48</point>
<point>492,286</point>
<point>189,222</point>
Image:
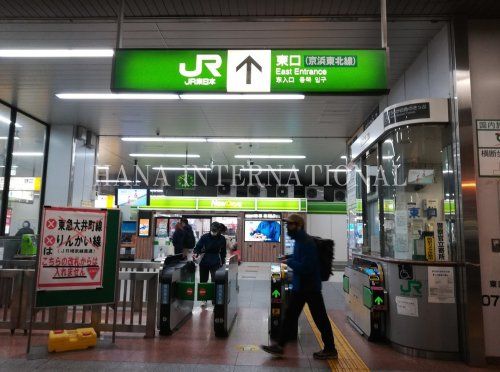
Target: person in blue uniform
<point>213,247</point>
<point>306,288</point>
<point>270,229</point>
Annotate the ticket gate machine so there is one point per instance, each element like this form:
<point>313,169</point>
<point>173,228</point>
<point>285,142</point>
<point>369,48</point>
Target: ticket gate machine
<point>281,285</point>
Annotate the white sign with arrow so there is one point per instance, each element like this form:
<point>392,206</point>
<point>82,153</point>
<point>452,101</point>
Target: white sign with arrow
<point>249,71</point>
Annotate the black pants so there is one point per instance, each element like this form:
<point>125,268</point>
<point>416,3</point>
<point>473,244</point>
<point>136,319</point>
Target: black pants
<point>296,303</point>
<point>204,271</point>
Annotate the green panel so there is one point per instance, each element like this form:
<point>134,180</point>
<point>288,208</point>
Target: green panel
<point>159,70</point>
<point>185,290</point>
<point>345,284</point>
<point>172,203</point>
<point>328,71</point>
<point>104,295</point>
<point>185,182</point>
<point>206,292</point>
<point>319,207</point>
<point>303,204</point>
<point>449,206</point>
<point>292,205</point>
<point>367,297</point>
<point>227,204</point>
<point>289,71</point>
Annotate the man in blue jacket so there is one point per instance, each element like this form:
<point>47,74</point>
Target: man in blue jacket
<point>213,247</point>
<point>306,288</point>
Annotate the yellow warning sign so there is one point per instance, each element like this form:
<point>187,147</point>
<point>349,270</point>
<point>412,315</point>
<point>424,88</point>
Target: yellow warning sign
<point>247,348</point>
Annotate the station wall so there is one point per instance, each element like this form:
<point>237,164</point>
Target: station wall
<point>330,226</point>
<point>484,58</point>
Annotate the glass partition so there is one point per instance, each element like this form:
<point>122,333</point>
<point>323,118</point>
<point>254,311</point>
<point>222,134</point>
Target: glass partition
<point>4,135</point>
<point>26,176</point>
<point>372,220</point>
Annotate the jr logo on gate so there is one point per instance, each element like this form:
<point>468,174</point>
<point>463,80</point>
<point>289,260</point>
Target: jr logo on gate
<point>413,285</point>
<point>211,61</point>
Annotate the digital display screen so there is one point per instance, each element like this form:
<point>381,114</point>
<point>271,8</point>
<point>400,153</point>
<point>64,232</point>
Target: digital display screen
<point>129,227</point>
<point>132,197</point>
<point>144,225</point>
<point>263,231</point>
<point>421,176</point>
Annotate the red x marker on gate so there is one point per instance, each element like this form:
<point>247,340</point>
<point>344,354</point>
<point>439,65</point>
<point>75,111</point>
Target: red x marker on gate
<point>51,224</point>
<point>49,240</point>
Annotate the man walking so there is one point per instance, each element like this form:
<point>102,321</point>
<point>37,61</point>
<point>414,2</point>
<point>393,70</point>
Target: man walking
<point>306,288</point>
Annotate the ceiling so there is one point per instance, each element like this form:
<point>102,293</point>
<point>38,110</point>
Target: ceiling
<point>77,9</point>
<point>319,125</point>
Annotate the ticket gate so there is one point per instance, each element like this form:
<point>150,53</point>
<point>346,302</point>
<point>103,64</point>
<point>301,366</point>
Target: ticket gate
<point>281,285</point>
<point>174,310</point>
<point>177,295</point>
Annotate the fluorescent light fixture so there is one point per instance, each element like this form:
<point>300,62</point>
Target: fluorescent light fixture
<point>182,168</point>
<point>139,155</point>
<point>338,170</point>
<point>269,169</point>
<point>164,139</point>
<point>156,191</point>
<point>27,153</point>
<point>4,138</point>
<point>270,156</point>
<point>251,140</point>
<point>117,96</point>
<point>102,166</point>
<point>56,53</point>
<point>387,157</point>
<point>13,166</point>
<point>343,157</point>
<point>242,96</point>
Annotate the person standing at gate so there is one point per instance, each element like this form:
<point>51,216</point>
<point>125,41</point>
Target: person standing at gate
<point>189,239</point>
<point>178,238</point>
<point>211,248</point>
<point>306,288</point>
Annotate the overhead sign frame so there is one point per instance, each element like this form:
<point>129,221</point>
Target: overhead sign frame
<point>334,71</point>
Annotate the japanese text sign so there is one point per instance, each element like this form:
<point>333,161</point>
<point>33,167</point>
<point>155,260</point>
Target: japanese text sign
<point>339,71</point>
<point>488,147</point>
<point>72,244</point>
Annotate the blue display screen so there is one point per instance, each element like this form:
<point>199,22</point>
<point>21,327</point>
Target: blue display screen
<point>129,227</point>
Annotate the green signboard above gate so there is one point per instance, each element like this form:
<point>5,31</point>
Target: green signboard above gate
<point>324,71</point>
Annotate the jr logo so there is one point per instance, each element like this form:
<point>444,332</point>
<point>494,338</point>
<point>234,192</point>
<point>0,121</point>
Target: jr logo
<point>211,61</point>
<point>412,285</point>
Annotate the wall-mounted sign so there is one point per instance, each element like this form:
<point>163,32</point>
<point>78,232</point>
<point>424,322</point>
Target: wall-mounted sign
<point>23,183</point>
<point>488,147</point>
<point>441,284</point>
<point>411,111</point>
<point>71,249</point>
<point>329,71</point>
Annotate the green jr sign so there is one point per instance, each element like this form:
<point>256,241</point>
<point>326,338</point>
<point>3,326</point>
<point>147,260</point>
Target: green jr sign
<point>339,71</point>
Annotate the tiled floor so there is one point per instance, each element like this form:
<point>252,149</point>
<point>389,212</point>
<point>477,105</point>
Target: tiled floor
<point>195,347</point>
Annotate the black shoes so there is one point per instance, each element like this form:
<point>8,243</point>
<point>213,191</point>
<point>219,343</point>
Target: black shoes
<point>326,354</point>
<point>274,350</point>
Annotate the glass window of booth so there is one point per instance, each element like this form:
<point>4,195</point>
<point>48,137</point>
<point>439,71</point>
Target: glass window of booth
<point>354,206</point>
<point>417,193</point>
<point>371,207</point>
<point>27,173</point>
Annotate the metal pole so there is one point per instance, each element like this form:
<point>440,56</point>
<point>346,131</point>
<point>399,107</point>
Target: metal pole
<point>383,31</point>
<point>119,24</point>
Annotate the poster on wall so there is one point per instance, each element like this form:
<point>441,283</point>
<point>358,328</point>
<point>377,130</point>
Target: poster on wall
<point>441,284</point>
<point>71,252</point>
<point>488,147</point>
<point>407,306</point>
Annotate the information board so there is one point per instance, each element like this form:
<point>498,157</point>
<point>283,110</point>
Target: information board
<point>329,71</point>
<point>91,282</point>
<point>488,147</point>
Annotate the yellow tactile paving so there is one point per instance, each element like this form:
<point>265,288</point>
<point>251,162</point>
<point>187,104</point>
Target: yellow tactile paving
<point>348,359</point>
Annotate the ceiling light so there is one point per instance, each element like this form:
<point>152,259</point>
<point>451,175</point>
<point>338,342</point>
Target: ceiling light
<point>270,156</point>
<point>138,155</point>
<point>102,166</point>
<point>251,140</point>
<point>122,181</point>
<point>3,119</point>
<point>338,170</point>
<point>4,138</point>
<point>164,139</point>
<point>242,96</point>
<point>55,53</point>
<point>117,96</point>
<point>12,166</point>
<point>269,169</point>
<point>182,168</point>
<point>21,153</point>
<point>343,157</point>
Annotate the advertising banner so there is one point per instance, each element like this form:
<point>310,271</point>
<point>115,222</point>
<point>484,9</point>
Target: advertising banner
<point>71,249</point>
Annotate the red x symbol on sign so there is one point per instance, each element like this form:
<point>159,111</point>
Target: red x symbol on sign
<point>51,224</point>
<point>49,240</point>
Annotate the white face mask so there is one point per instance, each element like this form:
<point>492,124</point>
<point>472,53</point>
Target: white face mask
<point>213,233</point>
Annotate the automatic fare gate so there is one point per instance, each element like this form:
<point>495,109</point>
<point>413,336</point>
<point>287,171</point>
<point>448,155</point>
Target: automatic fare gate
<point>177,295</point>
<point>281,285</point>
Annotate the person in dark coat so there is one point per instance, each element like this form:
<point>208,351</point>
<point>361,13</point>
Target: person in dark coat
<point>306,288</point>
<point>213,247</point>
<point>178,238</point>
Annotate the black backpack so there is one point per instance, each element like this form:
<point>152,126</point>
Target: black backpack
<point>189,240</point>
<point>325,249</point>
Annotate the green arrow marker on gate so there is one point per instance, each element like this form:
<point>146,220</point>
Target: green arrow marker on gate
<point>276,293</point>
<point>378,300</point>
